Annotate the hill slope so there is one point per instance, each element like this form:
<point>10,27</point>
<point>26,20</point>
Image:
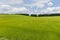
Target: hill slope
<point>18,27</point>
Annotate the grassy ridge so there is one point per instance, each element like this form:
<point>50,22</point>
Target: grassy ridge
<point>18,27</point>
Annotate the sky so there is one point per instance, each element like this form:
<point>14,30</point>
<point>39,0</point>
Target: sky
<point>30,6</point>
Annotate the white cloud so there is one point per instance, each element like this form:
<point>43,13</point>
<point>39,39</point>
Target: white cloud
<point>50,10</point>
<point>41,3</point>
<point>21,9</point>
<point>16,1</point>
<point>4,8</point>
<point>56,9</point>
<point>11,2</point>
<point>1,3</point>
<point>50,4</point>
<point>10,9</point>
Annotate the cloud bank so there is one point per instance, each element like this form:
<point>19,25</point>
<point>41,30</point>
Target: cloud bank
<point>28,6</point>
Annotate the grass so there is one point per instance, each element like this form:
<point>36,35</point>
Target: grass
<point>20,27</point>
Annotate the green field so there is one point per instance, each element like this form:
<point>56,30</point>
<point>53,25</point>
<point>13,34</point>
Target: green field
<point>20,27</point>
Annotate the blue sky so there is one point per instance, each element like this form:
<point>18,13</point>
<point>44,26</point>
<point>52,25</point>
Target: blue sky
<point>30,6</point>
<point>56,2</point>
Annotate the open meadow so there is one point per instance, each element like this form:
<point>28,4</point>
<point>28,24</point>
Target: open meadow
<point>20,27</point>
